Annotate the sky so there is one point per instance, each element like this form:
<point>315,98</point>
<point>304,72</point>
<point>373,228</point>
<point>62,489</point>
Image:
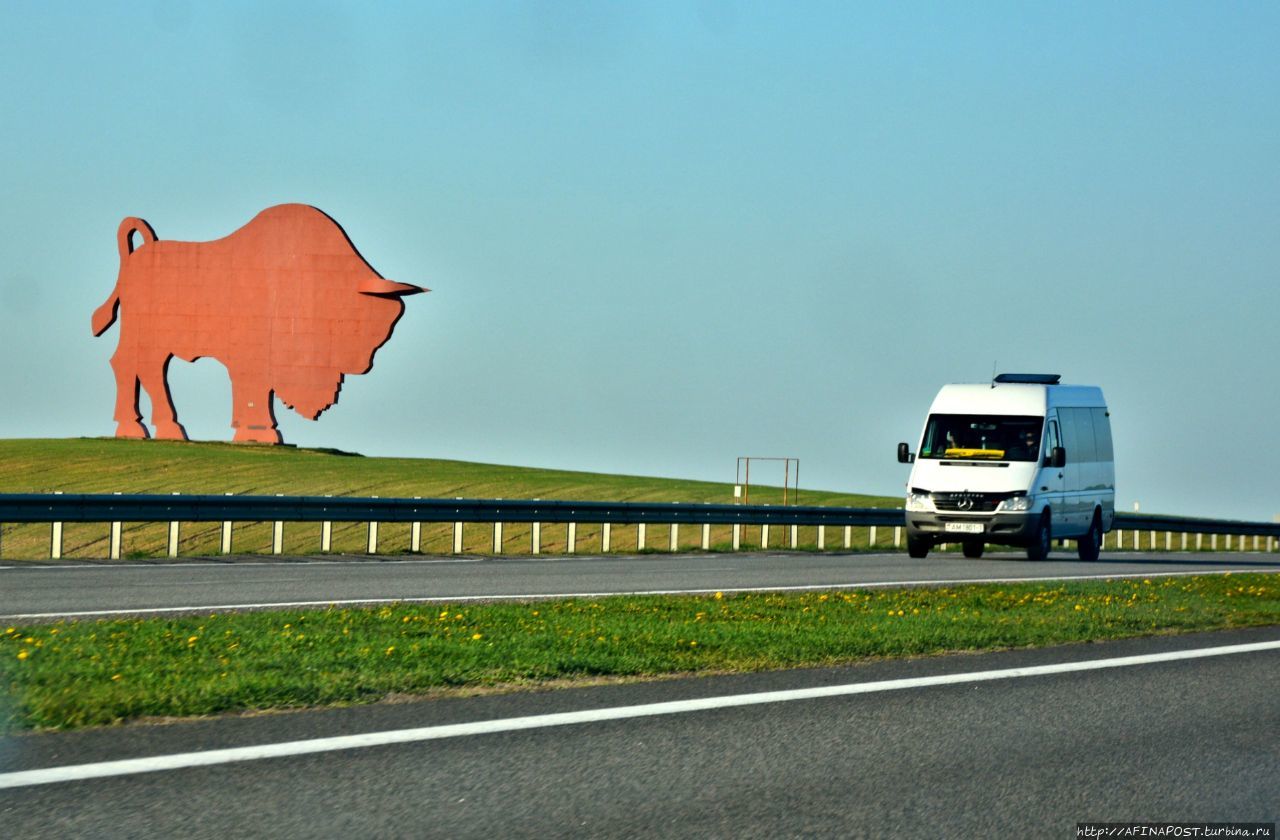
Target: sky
<point>663,235</point>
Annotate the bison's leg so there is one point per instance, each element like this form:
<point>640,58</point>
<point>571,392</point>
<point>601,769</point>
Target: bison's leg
<point>128,418</point>
<point>154,373</point>
<point>251,410</point>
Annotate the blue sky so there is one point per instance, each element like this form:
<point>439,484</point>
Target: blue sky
<point>663,235</point>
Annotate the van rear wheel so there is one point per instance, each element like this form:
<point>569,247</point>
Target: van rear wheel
<point>1090,545</point>
<point>917,547</point>
<point>1041,541</point>
<point>973,548</point>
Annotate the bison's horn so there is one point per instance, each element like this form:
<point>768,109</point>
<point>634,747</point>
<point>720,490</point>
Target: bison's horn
<point>379,286</point>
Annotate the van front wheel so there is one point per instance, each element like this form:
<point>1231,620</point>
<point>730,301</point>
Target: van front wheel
<point>1041,541</point>
<point>973,548</point>
<point>917,548</point>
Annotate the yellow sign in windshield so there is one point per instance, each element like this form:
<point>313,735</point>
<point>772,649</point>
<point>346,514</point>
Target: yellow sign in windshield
<point>989,454</point>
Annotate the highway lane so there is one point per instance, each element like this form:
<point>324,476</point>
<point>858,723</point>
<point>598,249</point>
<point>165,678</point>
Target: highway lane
<point>1022,756</point>
<point>35,591</point>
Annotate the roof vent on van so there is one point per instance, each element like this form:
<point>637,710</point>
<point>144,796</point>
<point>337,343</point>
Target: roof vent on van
<point>1029,378</point>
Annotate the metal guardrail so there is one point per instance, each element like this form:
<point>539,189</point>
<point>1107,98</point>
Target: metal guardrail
<point>1195,525</point>
<point>32,507</point>
<point>59,508</point>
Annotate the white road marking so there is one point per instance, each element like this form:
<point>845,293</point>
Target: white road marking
<point>546,596</point>
<point>178,761</point>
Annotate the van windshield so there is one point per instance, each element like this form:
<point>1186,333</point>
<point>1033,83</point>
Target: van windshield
<point>982,437</point>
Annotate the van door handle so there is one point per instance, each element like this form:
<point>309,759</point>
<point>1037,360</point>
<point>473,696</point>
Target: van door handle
<point>1059,475</point>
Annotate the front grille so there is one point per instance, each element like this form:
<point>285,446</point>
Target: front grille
<point>969,502</point>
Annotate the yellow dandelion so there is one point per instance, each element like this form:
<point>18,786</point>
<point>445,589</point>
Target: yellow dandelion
<point>1079,608</point>
<point>22,654</point>
<point>719,596</point>
<point>391,650</point>
<point>693,644</point>
<point>477,636</point>
<point>115,677</point>
<point>192,640</point>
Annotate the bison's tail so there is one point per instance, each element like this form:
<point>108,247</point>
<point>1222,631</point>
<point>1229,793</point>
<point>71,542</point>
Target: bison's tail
<point>104,316</point>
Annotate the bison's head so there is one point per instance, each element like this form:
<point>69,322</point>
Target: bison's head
<point>307,375</point>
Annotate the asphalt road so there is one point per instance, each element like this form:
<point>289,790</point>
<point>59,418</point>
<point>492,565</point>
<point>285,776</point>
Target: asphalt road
<point>1015,757</point>
<point>32,591</point>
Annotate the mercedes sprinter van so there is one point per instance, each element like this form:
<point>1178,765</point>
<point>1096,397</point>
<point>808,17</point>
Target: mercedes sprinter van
<point>1022,461</point>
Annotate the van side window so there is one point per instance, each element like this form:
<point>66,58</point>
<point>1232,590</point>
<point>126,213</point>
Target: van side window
<point>1054,439</point>
<point>1078,425</point>
<point>1102,434</point>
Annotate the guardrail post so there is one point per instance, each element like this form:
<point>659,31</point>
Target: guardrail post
<point>1228,542</point>
<point>226,534</point>
<point>848,536</point>
<point>1184,540</point>
<point>1168,541</point>
<point>764,535</point>
<point>55,536</point>
<point>1213,542</point>
<point>795,537</point>
<point>822,537</point>
<point>737,535</point>
<point>871,540</point>
<point>605,534</point>
<point>571,539</point>
<point>1255,542</point>
<point>373,535</point>
<point>277,535</point>
<point>640,536</point>
<point>173,538</point>
<point>415,534</point>
<point>326,532</point>
<point>1199,541</point>
<point>897,536</point>
<point>706,536</point>
<point>113,548</point>
<point>1137,540</point>
<point>675,536</point>
<point>535,537</point>
<point>457,538</point>
<point>497,538</point>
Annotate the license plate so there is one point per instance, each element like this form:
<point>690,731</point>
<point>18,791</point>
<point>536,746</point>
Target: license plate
<point>963,527</point>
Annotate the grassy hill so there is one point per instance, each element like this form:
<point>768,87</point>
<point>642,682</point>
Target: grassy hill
<point>92,465</point>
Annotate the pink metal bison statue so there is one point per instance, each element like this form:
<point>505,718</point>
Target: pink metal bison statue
<point>286,303</point>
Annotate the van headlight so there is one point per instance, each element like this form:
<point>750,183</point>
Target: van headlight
<point>1015,504</point>
<point>919,502</point>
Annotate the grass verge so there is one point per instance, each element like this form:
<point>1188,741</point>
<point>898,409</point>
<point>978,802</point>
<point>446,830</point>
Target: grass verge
<point>152,466</point>
<point>102,672</point>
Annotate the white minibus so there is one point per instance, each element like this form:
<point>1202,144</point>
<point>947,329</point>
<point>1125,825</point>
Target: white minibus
<point>1021,461</point>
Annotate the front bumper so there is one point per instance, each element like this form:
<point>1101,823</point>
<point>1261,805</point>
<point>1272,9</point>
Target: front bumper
<point>1003,528</point>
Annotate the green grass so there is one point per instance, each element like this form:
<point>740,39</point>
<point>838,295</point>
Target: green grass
<point>107,465</point>
<point>89,673</point>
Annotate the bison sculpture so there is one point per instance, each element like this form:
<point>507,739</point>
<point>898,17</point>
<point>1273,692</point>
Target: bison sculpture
<point>286,303</point>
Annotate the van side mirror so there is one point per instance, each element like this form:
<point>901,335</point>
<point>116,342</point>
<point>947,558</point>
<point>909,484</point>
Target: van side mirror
<point>1057,457</point>
<point>904,454</point>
